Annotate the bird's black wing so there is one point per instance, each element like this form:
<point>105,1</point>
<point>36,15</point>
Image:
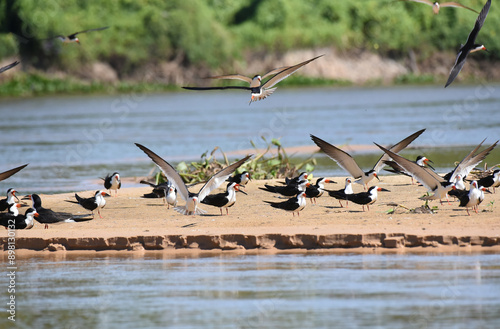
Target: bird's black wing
<point>7,67</point>
<point>8,173</point>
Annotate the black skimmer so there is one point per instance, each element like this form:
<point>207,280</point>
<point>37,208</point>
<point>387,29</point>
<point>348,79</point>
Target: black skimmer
<point>469,162</point>
<point>287,190</point>
<point>341,194</point>
<point>19,222</point>
<point>8,173</point>
<point>295,180</point>
<point>163,190</point>
<point>192,199</point>
<point>436,5</point>
<point>366,198</point>
<point>428,178</point>
<point>8,67</point>
<point>5,203</point>
<point>344,160</point>
<point>112,182</point>
<point>317,190</point>
<point>471,198</point>
<point>259,90</point>
<point>93,203</point>
<point>470,46</point>
<point>223,200</point>
<point>295,204</point>
<point>73,37</point>
<point>14,209</point>
<point>492,180</point>
<point>48,216</point>
<point>421,160</point>
<point>240,179</point>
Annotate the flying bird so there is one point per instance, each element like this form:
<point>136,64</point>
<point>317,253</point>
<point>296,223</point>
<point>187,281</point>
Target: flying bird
<point>470,46</point>
<point>344,160</point>
<point>192,199</point>
<point>8,67</point>
<point>8,173</point>
<point>436,5</point>
<point>259,90</point>
<point>73,37</point>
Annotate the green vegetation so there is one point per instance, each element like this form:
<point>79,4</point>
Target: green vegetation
<point>273,162</point>
<point>209,33</point>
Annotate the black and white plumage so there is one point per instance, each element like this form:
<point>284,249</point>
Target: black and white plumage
<point>471,198</point>
<point>259,91</point>
<point>73,37</point>
<point>428,178</point>
<point>436,5</point>
<point>240,179</point>
<point>470,46</point>
<point>421,160</point>
<point>287,190</point>
<point>192,199</point>
<point>112,182</point>
<point>13,209</point>
<point>19,222</point>
<point>8,67</point>
<point>295,180</point>
<point>294,204</point>
<point>346,162</point>
<point>11,197</point>
<point>366,198</point>
<point>92,203</point>
<point>317,190</point>
<point>8,173</point>
<point>223,200</point>
<point>492,180</point>
<point>47,216</point>
<point>341,194</point>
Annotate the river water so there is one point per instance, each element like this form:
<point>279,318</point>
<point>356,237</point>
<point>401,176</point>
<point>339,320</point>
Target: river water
<point>339,290</point>
<point>71,141</point>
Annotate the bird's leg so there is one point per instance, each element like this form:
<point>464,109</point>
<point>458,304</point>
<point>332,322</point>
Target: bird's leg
<point>347,203</point>
<point>475,208</point>
<point>99,212</point>
<point>467,211</point>
<point>367,206</point>
<point>341,206</point>
<point>46,226</point>
<point>227,211</point>
<point>363,207</point>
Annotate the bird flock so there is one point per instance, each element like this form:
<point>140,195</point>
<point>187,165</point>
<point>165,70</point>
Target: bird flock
<point>296,190</point>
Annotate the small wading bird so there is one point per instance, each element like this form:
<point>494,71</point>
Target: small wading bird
<point>295,204</point>
<point>345,161</point>
<point>366,198</point>
<point>93,203</point>
<point>341,194</point>
<point>192,199</point>
<point>8,173</point>
<point>470,46</point>
<point>436,5</point>
<point>8,67</point>
<point>224,200</point>
<point>73,37</point>
<point>112,182</point>
<point>259,91</point>
<point>19,222</point>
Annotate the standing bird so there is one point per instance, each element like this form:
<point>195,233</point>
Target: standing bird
<point>8,173</point>
<point>295,204</point>
<point>397,169</point>
<point>470,46</point>
<point>19,222</point>
<point>295,180</point>
<point>240,179</point>
<point>342,193</point>
<point>192,199</point>
<point>93,203</point>
<point>223,200</point>
<point>317,190</point>
<point>5,203</point>
<point>436,5</point>
<point>471,198</point>
<point>492,180</point>
<point>8,67</point>
<point>73,37</point>
<point>366,198</point>
<point>346,161</point>
<point>112,182</point>
<point>287,190</point>
<point>158,190</point>
<point>259,91</point>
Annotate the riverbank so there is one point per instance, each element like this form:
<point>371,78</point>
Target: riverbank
<point>132,223</point>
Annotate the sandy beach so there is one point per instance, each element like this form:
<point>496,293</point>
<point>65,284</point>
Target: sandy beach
<point>131,222</point>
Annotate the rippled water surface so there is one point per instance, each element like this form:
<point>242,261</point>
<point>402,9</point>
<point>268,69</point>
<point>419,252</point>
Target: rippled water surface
<point>346,290</point>
<point>71,141</point>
